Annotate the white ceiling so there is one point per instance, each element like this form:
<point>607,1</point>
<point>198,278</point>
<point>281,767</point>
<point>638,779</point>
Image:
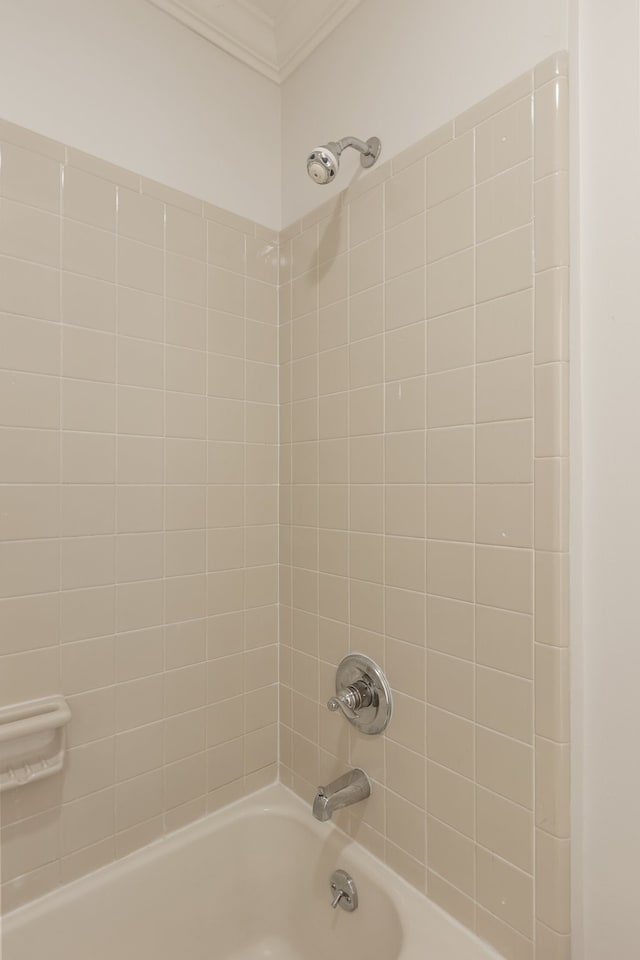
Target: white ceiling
<point>272,36</point>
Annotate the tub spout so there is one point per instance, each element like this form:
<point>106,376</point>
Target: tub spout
<point>350,788</point>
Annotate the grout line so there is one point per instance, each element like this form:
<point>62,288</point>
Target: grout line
<point>425,553</point>
<point>278,513</point>
<point>316,272</point>
<point>115,490</point>
<point>164,518</point>
<point>205,558</point>
<point>62,171</point>
<point>245,328</point>
<point>533,515</point>
<point>475,524</point>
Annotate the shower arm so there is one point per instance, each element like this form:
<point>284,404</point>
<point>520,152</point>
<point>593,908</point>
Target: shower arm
<point>362,146</point>
<point>369,150</point>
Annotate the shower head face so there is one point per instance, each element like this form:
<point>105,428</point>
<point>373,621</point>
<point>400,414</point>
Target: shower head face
<point>323,165</point>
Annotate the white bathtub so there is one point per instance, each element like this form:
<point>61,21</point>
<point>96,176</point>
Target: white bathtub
<point>247,883</point>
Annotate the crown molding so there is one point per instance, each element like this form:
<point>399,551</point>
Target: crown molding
<point>234,28</point>
<point>272,47</point>
<point>299,32</point>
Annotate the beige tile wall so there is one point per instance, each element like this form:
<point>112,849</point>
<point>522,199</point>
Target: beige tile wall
<point>423,386</point>
<point>138,503</point>
<point>423,377</point>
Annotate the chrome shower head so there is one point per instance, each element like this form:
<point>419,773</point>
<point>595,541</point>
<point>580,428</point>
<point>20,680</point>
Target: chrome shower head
<point>323,162</point>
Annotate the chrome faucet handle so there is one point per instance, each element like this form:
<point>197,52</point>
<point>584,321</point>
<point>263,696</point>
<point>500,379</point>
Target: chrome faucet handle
<point>347,701</point>
<point>358,694</point>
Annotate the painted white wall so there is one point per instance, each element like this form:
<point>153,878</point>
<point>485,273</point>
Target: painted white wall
<point>122,80</point>
<point>398,70</point>
<point>609,38</point>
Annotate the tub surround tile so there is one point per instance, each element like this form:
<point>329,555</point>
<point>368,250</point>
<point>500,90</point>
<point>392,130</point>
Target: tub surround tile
<point>435,539</point>
<point>105,590</point>
<point>412,366</point>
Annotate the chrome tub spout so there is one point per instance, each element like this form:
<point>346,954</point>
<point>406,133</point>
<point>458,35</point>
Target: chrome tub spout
<point>350,788</point>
